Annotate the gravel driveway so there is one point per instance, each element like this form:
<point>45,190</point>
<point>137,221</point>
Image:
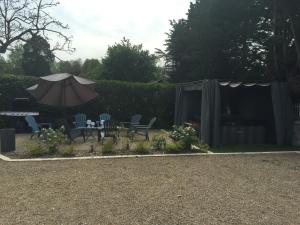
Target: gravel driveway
<point>248,189</point>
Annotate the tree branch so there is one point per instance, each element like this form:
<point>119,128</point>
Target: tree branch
<point>21,19</point>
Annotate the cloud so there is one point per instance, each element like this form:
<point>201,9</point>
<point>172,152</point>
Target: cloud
<point>95,24</point>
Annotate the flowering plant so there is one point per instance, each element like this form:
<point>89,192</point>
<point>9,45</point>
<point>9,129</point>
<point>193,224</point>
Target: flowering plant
<point>186,135</point>
<point>52,138</point>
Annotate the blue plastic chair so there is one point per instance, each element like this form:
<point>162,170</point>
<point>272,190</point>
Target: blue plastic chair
<point>104,116</point>
<point>80,120</point>
<point>35,127</point>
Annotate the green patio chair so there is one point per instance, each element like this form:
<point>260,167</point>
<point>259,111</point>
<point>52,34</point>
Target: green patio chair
<point>143,129</point>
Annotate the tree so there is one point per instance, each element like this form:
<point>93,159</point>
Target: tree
<point>15,59</point>
<point>92,68</point>
<point>22,19</point>
<point>284,54</point>
<point>219,39</point>
<point>37,57</point>
<point>128,62</point>
<point>4,66</point>
<point>240,40</point>
<point>71,67</point>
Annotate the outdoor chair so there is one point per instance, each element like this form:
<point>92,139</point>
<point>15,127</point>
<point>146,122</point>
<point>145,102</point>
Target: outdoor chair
<point>72,133</point>
<point>80,120</point>
<point>35,127</point>
<point>135,120</point>
<point>142,129</point>
<point>103,117</point>
<point>110,129</point>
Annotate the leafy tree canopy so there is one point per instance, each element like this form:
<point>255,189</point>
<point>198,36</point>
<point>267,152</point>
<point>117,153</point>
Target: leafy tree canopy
<point>4,67</point>
<point>15,59</point>
<point>92,68</point>
<point>128,62</point>
<point>233,39</point>
<point>37,57</point>
<point>72,67</point>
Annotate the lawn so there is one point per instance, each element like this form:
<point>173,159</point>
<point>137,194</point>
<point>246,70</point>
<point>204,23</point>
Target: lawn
<point>212,189</point>
<point>253,148</point>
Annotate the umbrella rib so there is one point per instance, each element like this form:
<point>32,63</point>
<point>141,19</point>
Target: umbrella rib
<point>63,93</point>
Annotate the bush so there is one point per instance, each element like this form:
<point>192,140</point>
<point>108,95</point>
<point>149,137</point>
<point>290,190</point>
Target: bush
<point>107,148</point>
<point>52,138</point>
<point>159,141</point>
<point>66,151</point>
<point>174,148</point>
<point>200,148</point>
<point>125,144</point>
<point>187,135</point>
<point>142,148</point>
<point>36,150</point>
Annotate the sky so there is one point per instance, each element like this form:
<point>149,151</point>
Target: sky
<point>97,24</point>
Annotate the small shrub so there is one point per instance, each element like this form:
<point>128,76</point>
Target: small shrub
<point>200,147</point>
<point>187,135</point>
<point>36,150</point>
<point>174,147</point>
<point>125,144</point>
<point>107,148</point>
<point>159,141</point>
<point>52,138</point>
<point>66,151</point>
<point>142,148</point>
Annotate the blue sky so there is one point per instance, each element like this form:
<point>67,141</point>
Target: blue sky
<point>96,24</point>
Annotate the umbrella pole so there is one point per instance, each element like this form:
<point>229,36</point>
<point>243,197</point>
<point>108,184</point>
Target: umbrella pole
<point>64,113</point>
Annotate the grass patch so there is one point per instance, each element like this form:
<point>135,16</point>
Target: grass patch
<point>108,147</point>
<point>253,148</point>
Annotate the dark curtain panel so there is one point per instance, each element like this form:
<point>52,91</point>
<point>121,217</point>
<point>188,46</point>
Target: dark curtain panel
<point>179,106</point>
<point>283,112</point>
<point>210,113</point>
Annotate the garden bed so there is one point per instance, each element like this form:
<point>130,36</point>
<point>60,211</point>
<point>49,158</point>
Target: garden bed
<point>159,143</point>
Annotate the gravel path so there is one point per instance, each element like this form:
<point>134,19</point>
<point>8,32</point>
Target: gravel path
<point>252,189</point>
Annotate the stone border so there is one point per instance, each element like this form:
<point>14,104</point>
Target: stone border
<point>7,159</point>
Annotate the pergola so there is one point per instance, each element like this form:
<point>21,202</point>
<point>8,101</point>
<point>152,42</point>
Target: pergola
<point>236,112</point>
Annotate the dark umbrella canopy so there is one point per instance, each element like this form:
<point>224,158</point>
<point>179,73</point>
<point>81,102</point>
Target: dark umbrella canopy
<point>63,90</point>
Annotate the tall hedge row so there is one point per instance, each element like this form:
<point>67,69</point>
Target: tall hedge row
<point>120,99</point>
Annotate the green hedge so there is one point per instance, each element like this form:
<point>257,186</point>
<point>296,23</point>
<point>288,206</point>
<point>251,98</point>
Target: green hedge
<point>120,99</point>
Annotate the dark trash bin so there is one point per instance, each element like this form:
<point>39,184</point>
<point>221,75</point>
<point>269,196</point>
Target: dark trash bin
<point>7,140</point>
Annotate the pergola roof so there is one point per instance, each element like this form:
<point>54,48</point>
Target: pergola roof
<point>197,85</point>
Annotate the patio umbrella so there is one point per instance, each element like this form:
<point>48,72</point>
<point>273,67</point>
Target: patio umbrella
<point>63,90</point>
